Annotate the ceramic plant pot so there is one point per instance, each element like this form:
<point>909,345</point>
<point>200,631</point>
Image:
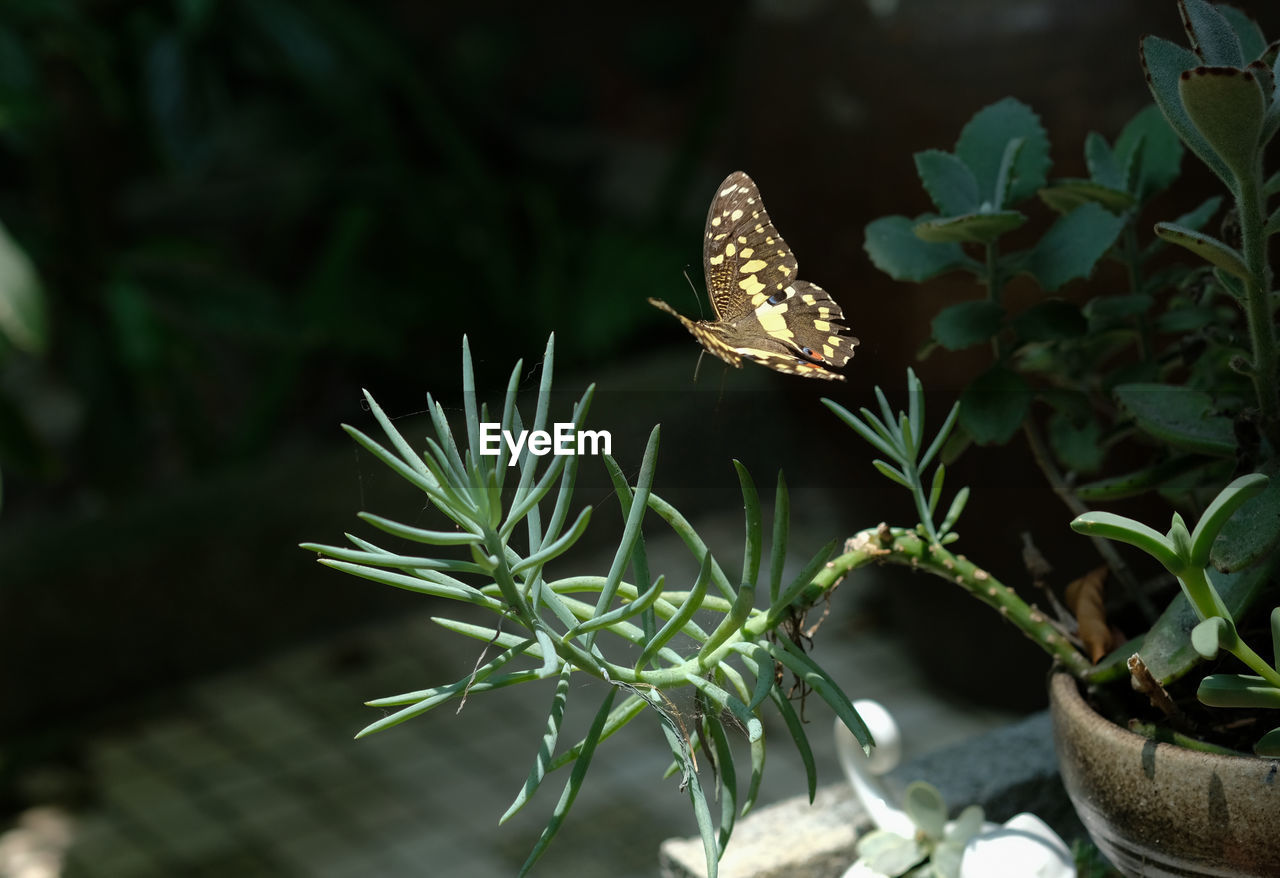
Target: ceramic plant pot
<point>1157,809</point>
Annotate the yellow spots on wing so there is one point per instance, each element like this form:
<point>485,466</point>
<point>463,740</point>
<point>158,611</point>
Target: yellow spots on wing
<point>828,352</point>
<point>824,312</point>
<point>736,215</point>
<point>754,265</point>
<point>724,192</point>
<point>785,269</point>
<point>808,299</point>
<point>750,285</point>
<point>715,221</point>
<point>835,340</point>
<point>758,299</point>
<point>823,326</point>
<point>742,239</point>
<point>729,249</point>
<point>716,260</point>
<point>773,322</point>
<point>768,238</point>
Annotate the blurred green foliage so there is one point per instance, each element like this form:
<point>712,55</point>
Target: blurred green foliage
<point>242,211</point>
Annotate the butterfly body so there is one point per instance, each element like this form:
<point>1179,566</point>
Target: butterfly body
<point>764,312</point>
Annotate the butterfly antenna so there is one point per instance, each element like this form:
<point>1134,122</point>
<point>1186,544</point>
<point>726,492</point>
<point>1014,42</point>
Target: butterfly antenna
<point>694,287</point>
<point>697,366</point>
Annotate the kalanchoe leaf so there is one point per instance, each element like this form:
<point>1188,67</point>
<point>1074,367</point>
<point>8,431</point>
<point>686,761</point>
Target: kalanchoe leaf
<point>967,324</point>
<point>1104,168</point>
<point>1102,311</point>
<point>972,228</point>
<point>1077,444</point>
<point>1072,246</point>
<point>1164,63</point>
<point>1226,106</point>
<point>1005,178</point>
<point>892,244</point>
<point>1182,417</point>
<point>983,142</point>
<point>1150,151</point>
<point>1253,43</point>
<point>948,181</point>
<point>1208,248</point>
<point>1212,38</point>
<point>1065,196</point>
<point>994,404</point>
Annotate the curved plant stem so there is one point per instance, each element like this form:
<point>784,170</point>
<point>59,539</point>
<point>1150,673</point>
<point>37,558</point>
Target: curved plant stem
<point>888,545</point>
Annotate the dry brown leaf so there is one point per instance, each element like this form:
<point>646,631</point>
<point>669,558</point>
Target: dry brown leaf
<point>1084,598</point>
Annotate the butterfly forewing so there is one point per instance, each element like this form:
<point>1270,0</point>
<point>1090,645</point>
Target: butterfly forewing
<point>763,311</point>
<point>743,254</point>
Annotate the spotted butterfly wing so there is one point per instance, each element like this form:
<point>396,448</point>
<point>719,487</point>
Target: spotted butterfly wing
<point>763,311</point>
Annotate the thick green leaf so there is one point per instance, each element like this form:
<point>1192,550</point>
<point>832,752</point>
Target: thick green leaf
<point>1238,690</point>
<point>1212,38</point>
<point>967,324</point>
<point>1253,532</point>
<point>892,244</point>
<point>1050,320</point>
<point>1226,105</point>
<point>983,141</point>
<point>1149,142</point>
<point>948,181</point>
<point>1073,245</point>
<point>1179,416</point>
<point>1269,744</point>
<point>1164,63</point>
<point>1139,481</point>
<point>1065,196</point>
<point>1166,647</point>
<point>994,405</point>
<point>972,228</point>
<point>1076,443</point>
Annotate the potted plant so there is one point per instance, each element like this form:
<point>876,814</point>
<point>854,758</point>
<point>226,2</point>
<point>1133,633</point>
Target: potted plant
<point>1174,380</point>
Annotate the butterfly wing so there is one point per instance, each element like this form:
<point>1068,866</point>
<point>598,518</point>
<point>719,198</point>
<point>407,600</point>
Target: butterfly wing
<point>797,331</point>
<point>743,256</point>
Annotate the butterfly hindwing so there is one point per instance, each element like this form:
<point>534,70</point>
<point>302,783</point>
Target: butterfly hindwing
<point>763,311</point>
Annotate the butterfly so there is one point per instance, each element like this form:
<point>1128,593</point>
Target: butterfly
<point>763,311</point>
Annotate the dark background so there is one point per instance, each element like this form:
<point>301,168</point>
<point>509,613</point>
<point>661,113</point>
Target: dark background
<point>244,212</point>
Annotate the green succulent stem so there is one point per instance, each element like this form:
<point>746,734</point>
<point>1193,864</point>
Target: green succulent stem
<point>905,547</point>
<point>1258,306</point>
